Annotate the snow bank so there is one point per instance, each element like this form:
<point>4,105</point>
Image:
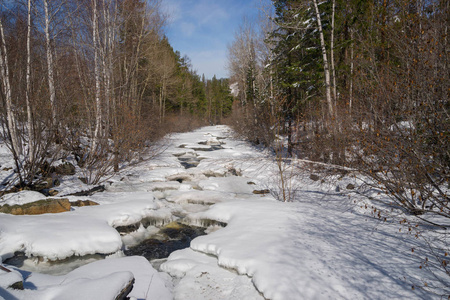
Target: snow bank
<point>100,280</point>
<point>21,197</point>
<point>87,230</point>
<point>202,278</point>
<point>305,251</point>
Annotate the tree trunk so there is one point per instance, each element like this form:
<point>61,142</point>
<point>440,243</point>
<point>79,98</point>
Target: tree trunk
<point>333,69</point>
<point>11,122</point>
<point>98,106</point>
<point>50,67</point>
<point>350,103</point>
<point>325,61</point>
<point>31,141</point>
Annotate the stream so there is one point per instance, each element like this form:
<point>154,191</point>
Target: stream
<point>154,239</point>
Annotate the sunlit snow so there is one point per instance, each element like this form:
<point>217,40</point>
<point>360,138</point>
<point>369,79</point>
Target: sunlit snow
<point>324,245</point>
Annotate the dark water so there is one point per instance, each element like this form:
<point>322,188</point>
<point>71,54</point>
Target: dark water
<point>169,240</point>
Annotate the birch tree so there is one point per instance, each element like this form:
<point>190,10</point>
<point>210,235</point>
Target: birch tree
<point>98,104</point>
<point>31,139</point>
<point>6,90</point>
<point>49,15</point>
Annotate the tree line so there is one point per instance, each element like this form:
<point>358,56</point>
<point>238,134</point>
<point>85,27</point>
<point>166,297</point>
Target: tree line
<point>359,84</point>
<point>362,84</point>
<point>97,79</point>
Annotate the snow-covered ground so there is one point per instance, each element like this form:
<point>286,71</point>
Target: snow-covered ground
<point>327,244</point>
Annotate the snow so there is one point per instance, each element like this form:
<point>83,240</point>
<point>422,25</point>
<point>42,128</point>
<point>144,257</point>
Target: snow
<point>21,197</point>
<point>327,244</point>
<point>99,280</point>
<point>306,249</point>
<point>202,278</point>
<point>83,231</point>
<point>234,87</point>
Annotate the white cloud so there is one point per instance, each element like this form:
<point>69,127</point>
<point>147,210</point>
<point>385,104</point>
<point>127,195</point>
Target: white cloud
<point>187,28</point>
<point>206,12</point>
<point>173,8</point>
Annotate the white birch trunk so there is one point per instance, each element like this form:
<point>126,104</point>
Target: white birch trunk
<point>4,71</point>
<point>31,142</point>
<point>325,61</point>
<point>107,61</point>
<point>351,73</point>
<point>98,107</point>
<point>50,67</point>
<point>160,104</point>
<point>333,69</point>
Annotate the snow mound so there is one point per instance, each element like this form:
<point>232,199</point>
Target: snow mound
<point>21,198</point>
<point>87,230</point>
<point>99,280</point>
<point>202,278</point>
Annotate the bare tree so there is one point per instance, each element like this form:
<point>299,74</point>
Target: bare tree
<point>11,120</point>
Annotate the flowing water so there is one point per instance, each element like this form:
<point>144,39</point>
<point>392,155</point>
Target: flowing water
<point>151,238</point>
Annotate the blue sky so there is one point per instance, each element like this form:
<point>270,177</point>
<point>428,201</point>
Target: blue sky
<point>202,29</point>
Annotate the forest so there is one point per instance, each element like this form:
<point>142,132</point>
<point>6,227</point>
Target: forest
<point>357,84</point>
<point>97,79</point>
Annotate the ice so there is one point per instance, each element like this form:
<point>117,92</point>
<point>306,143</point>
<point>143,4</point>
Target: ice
<point>197,197</point>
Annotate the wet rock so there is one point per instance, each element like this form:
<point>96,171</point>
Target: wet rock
<point>350,186</point>
<point>179,154</point>
<point>37,207</point>
<point>217,147</point>
<point>189,161</point>
<point>17,285</point>
<point>314,177</point>
<point>178,231</point>
<point>128,229</point>
<point>210,173</point>
<point>80,203</point>
<point>65,169</point>
<point>180,178</point>
<point>125,291</point>
<point>42,184</point>
<point>17,260</point>
<point>52,192</point>
<point>211,148</point>
<point>10,279</point>
<point>189,164</point>
<point>261,192</point>
<point>97,189</point>
<point>210,142</point>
